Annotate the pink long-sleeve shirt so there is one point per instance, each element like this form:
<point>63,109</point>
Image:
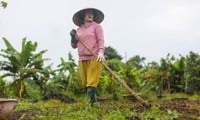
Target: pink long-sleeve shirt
<point>92,35</point>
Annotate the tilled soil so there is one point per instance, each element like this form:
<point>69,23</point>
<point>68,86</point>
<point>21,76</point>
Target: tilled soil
<point>22,115</point>
<point>187,109</point>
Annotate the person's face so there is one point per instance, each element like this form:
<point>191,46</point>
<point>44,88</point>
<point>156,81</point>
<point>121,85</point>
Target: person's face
<point>89,16</point>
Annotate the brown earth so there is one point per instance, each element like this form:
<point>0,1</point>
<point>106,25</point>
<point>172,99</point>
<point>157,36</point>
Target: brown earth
<point>188,109</point>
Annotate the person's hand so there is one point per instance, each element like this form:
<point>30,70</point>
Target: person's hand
<point>100,56</point>
<point>74,38</point>
<point>73,32</point>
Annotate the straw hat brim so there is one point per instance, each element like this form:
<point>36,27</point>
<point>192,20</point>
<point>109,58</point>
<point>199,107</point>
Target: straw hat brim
<point>79,16</point>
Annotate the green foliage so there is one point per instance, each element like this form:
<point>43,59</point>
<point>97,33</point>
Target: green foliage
<point>108,84</point>
<point>154,83</point>
<point>53,110</point>
<point>69,68</point>
<point>111,53</point>
<point>137,61</point>
<point>116,65</point>
<point>65,79</point>
<point>119,114</point>
<point>3,4</point>
<point>195,96</point>
<point>21,65</point>
<point>177,80</point>
<point>171,74</point>
<point>135,78</point>
<point>156,114</point>
<point>193,70</point>
<point>33,79</point>
<point>41,79</point>
<point>3,88</point>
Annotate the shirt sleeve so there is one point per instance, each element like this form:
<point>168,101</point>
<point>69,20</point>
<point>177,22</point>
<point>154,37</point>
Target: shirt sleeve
<point>100,37</point>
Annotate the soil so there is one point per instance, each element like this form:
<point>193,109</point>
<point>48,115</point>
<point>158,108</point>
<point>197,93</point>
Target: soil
<point>187,109</point>
<point>22,115</point>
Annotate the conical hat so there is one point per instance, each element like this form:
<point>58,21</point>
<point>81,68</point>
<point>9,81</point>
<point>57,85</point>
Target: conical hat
<point>79,16</point>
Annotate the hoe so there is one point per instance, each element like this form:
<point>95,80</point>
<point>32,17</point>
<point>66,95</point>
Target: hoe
<point>136,96</point>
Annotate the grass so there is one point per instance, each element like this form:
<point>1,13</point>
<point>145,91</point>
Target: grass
<point>124,109</point>
<point>54,109</point>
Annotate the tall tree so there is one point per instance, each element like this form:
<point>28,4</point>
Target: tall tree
<point>111,53</point>
<point>193,71</point>
<point>137,61</point>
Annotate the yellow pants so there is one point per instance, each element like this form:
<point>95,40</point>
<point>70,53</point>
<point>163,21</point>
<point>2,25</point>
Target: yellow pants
<point>90,71</point>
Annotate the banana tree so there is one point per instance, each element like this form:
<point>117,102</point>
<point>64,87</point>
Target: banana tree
<point>21,65</point>
<point>66,76</point>
<point>164,70</point>
<point>153,78</point>
<point>177,74</point>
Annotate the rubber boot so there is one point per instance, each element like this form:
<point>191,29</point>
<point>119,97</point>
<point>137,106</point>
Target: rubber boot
<point>91,94</point>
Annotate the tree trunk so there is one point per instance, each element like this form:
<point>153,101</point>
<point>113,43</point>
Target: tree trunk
<point>21,89</point>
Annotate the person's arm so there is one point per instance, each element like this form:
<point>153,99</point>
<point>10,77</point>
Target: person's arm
<point>100,39</point>
<point>73,38</point>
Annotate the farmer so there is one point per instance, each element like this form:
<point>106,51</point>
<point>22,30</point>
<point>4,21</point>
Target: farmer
<point>91,33</point>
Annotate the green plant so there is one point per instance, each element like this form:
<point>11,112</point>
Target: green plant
<point>3,4</point>
<point>111,53</point>
<point>21,65</point>
<point>108,84</point>
<point>65,79</point>
<point>137,61</point>
<point>3,88</point>
<point>177,72</point>
<point>156,114</point>
<point>119,114</point>
<point>192,72</point>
